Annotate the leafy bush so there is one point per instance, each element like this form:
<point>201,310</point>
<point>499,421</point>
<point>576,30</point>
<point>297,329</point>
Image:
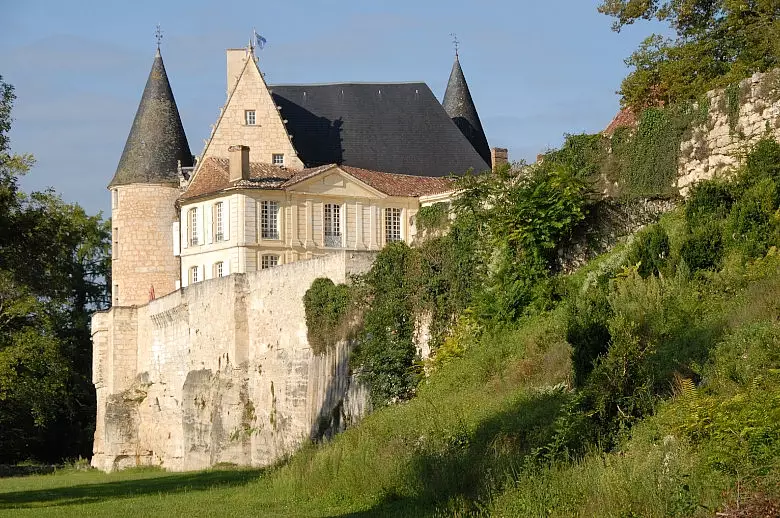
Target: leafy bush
<point>708,200</point>
<point>703,248</point>
<point>752,225</point>
<point>587,330</point>
<point>326,306</point>
<point>650,251</point>
<point>762,162</point>
<point>385,348</point>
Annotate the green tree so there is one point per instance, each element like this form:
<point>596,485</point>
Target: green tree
<point>54,271</point>
<point>716,42</point>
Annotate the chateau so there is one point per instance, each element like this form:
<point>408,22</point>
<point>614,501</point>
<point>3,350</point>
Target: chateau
<point>191,373</point>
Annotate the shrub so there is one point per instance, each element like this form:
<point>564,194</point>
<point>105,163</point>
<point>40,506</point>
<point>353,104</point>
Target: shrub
<point>752,224</point>
<point>708,200</point>
<point>762,162</point>
<point>650,251</point>
<point>587,330</point>
<point>326,304</point>
<point>385,349</point>
<point>703,248</point>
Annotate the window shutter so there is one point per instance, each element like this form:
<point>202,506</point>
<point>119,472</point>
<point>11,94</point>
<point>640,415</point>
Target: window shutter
<point>226,268</point>
<point>183,237</point>
<point>226,220</point>
<point>208,218</point>
<point>176,239</point>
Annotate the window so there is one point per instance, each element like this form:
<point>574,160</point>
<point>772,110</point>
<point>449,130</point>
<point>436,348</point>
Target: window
<point>277,159</point>
<point>219,222</point>
<point>269,219</point>
<point>332,224</point>
<point>249,116</point>
<point>392,225</point>
<point>269,261</point>
<point>194,275</point>
<point>115,244</point>
<point>193,220</point>
<point>116,294</point>
<point>114,199</point>
<point>218,269</point>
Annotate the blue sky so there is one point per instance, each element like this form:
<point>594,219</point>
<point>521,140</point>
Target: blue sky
<point>537,70</point>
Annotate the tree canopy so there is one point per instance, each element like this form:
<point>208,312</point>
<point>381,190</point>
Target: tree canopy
<point>715,43</point>
<point>54,271</point>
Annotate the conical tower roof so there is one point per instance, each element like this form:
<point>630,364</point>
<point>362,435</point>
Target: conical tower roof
<point>157,140</point>
<point>460,107</point>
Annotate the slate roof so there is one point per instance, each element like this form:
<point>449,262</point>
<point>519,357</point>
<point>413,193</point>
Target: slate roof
<point>460,107</point>
<point>393,127</point>
<point>157,140</point>
<point>214,177</point>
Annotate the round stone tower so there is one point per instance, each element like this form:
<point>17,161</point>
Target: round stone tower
<point>144,191</point>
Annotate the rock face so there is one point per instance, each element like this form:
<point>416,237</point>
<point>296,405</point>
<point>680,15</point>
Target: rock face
<point>738,117</point>
<point>221,372</point>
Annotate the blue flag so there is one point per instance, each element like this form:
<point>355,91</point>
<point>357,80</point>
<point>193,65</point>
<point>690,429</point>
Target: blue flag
<point>260,41</point>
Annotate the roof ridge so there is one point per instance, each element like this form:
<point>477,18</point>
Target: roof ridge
<point>337,83</point>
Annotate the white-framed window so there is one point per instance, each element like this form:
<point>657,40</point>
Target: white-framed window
<point>269,219</point>
<point>332,225</point>
<point>277,159</point>
<point>219,222</point>
<point>249,117</point>
<point>392,224</point>
<point>194,275</point>
<point>268,261</point>
<point>115,244</point>
<point>192,219</point>
<point>114,198</point>
<point>218,269</point>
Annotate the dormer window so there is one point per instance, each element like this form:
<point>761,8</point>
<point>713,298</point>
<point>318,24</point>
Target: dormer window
<point>277,159</point>
<point>249,117</point>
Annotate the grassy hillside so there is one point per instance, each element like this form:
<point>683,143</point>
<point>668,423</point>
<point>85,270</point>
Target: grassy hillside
<point>644,385</point>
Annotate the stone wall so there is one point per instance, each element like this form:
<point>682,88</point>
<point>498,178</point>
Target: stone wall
<point>608,222</point>
<point>221,371</point>
<point>142,219</point>
<point>718,145</point>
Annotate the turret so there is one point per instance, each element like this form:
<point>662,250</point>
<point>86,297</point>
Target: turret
<point>143,196</point>
<point>460,107</point>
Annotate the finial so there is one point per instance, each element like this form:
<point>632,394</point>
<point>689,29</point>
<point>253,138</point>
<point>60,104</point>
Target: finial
<point>158,35</point>
<point>455,42</point>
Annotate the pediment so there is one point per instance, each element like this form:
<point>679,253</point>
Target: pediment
<point>335,182</point>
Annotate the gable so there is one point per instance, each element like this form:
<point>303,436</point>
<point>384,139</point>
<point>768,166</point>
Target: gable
<point>268,136</point>
<point>334,182</point>
<point>393,127</point>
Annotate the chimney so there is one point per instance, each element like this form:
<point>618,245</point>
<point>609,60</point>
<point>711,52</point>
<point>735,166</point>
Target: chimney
<point>499,156</point>
<point>235,64</point>
<point>238,157</point>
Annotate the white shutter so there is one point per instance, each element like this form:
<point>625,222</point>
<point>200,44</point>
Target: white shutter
<point>226,268</point>
<point>226,220</point>
<point>208,218</point>
<point>183,237</point>
<point>176,239</point>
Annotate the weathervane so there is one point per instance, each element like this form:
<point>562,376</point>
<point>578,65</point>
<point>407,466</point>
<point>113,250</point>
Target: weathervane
<point>455,42</point>
<point>158,35</point>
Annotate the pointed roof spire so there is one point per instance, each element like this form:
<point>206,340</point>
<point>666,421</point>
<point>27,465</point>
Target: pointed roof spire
<point>157,141</point>
<point>460,107</point>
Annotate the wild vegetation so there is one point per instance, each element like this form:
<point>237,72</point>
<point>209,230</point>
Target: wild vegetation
<point>715,43</point>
